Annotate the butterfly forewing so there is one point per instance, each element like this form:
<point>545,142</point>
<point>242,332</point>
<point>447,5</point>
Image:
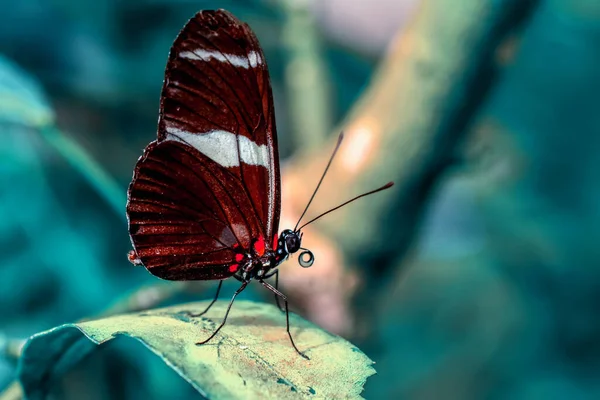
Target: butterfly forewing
<point>217,95</point>
<point>211,181</point>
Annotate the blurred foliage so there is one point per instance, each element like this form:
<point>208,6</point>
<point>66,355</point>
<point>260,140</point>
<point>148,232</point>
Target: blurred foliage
<point>498,296</point>
<point>254,358</point>
<point>22,100</point>
<point>501,294</point>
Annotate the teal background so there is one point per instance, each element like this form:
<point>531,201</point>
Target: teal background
<point>500,295</point>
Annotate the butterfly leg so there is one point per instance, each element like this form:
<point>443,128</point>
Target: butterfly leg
<point>287,314</point>
<point>240,289</point>
<point>277,287</point>
<point>211,303</point>
<point>276,274</point>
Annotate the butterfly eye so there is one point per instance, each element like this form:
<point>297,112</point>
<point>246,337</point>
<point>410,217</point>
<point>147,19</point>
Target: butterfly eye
<point>306,259</point>
<point>292,243</point>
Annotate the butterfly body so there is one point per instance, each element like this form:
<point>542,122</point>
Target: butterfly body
<point>261,264</point>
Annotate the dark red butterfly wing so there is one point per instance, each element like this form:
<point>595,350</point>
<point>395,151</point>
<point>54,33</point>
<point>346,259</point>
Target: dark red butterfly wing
<point>211,181</point>
<point>217,81</point>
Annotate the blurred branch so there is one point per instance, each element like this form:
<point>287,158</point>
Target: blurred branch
<point>406,127</point>
<point>82,162</point>
<point>306,76</point>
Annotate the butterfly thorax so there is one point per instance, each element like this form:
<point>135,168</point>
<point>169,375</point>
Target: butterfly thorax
<point>260,263</point>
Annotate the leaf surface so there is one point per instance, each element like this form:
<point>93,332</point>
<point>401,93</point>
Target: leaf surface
<point>251,357</point>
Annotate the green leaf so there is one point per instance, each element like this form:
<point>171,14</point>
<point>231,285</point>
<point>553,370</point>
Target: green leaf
<point>250,357</point>
<point>23,103</point>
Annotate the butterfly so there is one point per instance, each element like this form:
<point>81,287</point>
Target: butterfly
<point>204,202</point>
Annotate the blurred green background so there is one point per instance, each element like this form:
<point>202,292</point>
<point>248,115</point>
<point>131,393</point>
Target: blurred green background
<point>495,293</point>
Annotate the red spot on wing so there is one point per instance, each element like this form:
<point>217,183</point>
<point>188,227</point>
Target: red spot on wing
<point>275,239</point>
<point>259,246</point>
<point>233,267</point>
<point>239,257</point>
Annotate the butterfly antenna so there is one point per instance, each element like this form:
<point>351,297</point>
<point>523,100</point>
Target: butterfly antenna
<point>337,146</point>
<point>384,187</point>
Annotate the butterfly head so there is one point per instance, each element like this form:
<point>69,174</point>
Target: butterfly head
<point>291,242</point>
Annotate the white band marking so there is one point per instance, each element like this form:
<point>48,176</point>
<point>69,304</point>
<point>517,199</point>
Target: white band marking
<point>252,60</point>
<point>222,147</point>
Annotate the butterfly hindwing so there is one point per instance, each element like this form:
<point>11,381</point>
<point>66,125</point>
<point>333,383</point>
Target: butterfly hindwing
<point>184,219</point>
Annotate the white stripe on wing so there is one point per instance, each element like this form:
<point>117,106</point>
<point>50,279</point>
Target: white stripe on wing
<point>221,147</point>
<point>252,60</point>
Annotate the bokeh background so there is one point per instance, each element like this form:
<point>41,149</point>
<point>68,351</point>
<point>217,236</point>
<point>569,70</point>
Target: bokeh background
<point>476,277</point>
